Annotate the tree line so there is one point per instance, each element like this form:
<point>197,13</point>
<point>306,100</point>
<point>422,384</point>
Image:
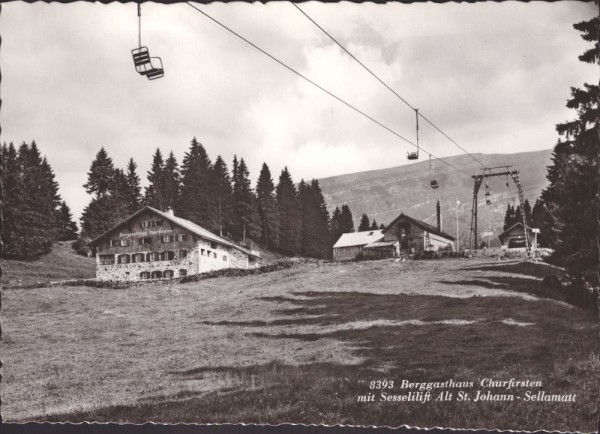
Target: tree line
<point>284,216</point>
<point>35,216</point>
<point>568,207</point>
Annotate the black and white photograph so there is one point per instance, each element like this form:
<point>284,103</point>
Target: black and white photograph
<point>358,214</point>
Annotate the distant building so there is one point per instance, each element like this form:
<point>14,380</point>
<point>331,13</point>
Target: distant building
<point>514,237</point>
<point>350,245</point>
<point>151,244</point>
<point>415,236</point>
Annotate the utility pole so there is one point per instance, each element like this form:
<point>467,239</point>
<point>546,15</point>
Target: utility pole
<point>457,240</point>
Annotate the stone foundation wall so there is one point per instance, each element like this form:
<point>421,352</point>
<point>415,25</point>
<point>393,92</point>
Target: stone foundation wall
<point>131,271</point>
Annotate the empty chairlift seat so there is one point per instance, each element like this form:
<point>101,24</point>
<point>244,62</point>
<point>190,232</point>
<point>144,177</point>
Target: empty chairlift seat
<point>151,67</point>
<point>413,155</point>
<point>434,183</point>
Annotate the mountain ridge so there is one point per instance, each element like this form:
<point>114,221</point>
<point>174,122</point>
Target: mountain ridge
<point>384,193</point>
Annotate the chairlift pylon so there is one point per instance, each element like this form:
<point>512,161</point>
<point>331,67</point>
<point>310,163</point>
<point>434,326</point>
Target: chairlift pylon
<point>151,67</point>
<point>415,155</point>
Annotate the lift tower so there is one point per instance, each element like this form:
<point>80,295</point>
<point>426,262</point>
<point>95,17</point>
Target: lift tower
<point>489,172</point>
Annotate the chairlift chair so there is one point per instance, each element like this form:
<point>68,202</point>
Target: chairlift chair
<point>412,155</point>
<point>151,67</point>
<point>488,200</point>
<point>433,182</point>
<point>415,155</point>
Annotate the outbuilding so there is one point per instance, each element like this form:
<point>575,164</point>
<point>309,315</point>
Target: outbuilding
<point>416,236</point>
<point>350,245</point>
<point>514,237</point>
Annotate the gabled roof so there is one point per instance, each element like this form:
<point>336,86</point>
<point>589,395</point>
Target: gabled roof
<point>503,234</point>
<point>425,226</point>
<point>358,238</point>
<point>185,224</point>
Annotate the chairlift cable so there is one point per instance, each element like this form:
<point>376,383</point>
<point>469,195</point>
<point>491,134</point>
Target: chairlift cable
<point>388,87</point>
<point>289,68</point>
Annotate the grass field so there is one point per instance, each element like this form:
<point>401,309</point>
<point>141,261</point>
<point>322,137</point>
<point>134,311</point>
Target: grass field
<point>300,345</point>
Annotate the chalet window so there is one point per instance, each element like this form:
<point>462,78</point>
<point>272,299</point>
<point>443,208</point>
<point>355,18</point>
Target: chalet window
<point>157,275</point>
<point>138,257</point>
<point>180,237</point>
<point>183,254</point>
<point>167,256</point>
<point>107,259</point>
<point>215,255</point>
<point>153,256</point>
<point>202,252</point>
<point>146,240</point>
<point>182,273</point>
<point>158,222</point>
<point>114,243</point>
<point>145,224</point>
<point>167,238</point>
<point>124,259</point>
<point>208,253</point>
<point>145,275</point>
<point>168,274</point>
<point>224,257</point>
<point>123,242</point>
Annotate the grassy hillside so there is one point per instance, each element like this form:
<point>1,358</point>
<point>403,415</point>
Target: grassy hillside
<point>301,345</point>
<point>383,194</point>
<point>60,264</point>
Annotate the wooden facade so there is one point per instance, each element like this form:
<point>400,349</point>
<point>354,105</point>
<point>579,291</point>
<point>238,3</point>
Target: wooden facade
<point>415,236</point>
<point>152,244</point>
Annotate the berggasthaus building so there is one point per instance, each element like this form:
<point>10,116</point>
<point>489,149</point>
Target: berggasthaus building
<point>151,244</point>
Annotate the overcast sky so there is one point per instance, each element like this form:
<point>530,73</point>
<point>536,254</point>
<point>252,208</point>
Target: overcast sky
<point>494,76</point>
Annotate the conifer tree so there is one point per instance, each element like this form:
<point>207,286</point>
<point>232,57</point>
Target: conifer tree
<point>134,190</point>
<point>509,217</point>
<point>195,199</point>
<point>347,221</point>
<point>321,225</point>
<point>374,225</point>
<point>222,193</point>
<point>154,191</point>
<point>364,223</point>
<point>382,226</point>
<point>573,176</point>
<point>245,205</point>
<point>67,227</point>
<point>335,225</point>
<point>170,182</point>
<point>13,229</point>
<point>289,214</point>
<point>267,208</point>
<point>100,175</point>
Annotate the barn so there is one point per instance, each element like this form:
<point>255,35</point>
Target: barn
<point>350,245</point>
<point>152,244</point>
<point>416,236</point>
<point>514,237</point>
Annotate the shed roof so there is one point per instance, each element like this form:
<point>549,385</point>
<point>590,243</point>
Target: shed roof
<point>186,224</point>
<point>358,238</point>
<point>380,244</point>
<point>425,226</point>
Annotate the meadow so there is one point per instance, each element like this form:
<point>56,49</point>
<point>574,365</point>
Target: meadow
<point>301,345</point>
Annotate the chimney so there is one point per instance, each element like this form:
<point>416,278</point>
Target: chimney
<point>170,212</point>
<point>438,209</point>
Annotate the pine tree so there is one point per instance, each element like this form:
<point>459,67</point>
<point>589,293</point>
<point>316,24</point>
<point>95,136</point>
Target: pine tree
<point>100,174</point>
<point>573,176</point>
<point>509,217</point>
<point>321,225</point>
<point>222,196</point>
<point>364,223</point>
<point>374,225</point>
<point>154,191</point>
<point>134,190</point>
<point>382,226</point>
<point>335,225</point>
<point>195,200</point>
<point>267,208</point>
<point>288,214</point>
<point>170,183</point>
<point>527,210</point>
<point>67,227</point>
<point>347,222</point>
<point>245,205</point>
<point>13,203</point>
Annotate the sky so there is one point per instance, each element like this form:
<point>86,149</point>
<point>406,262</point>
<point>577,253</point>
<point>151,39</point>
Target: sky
<point>493,76</point>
